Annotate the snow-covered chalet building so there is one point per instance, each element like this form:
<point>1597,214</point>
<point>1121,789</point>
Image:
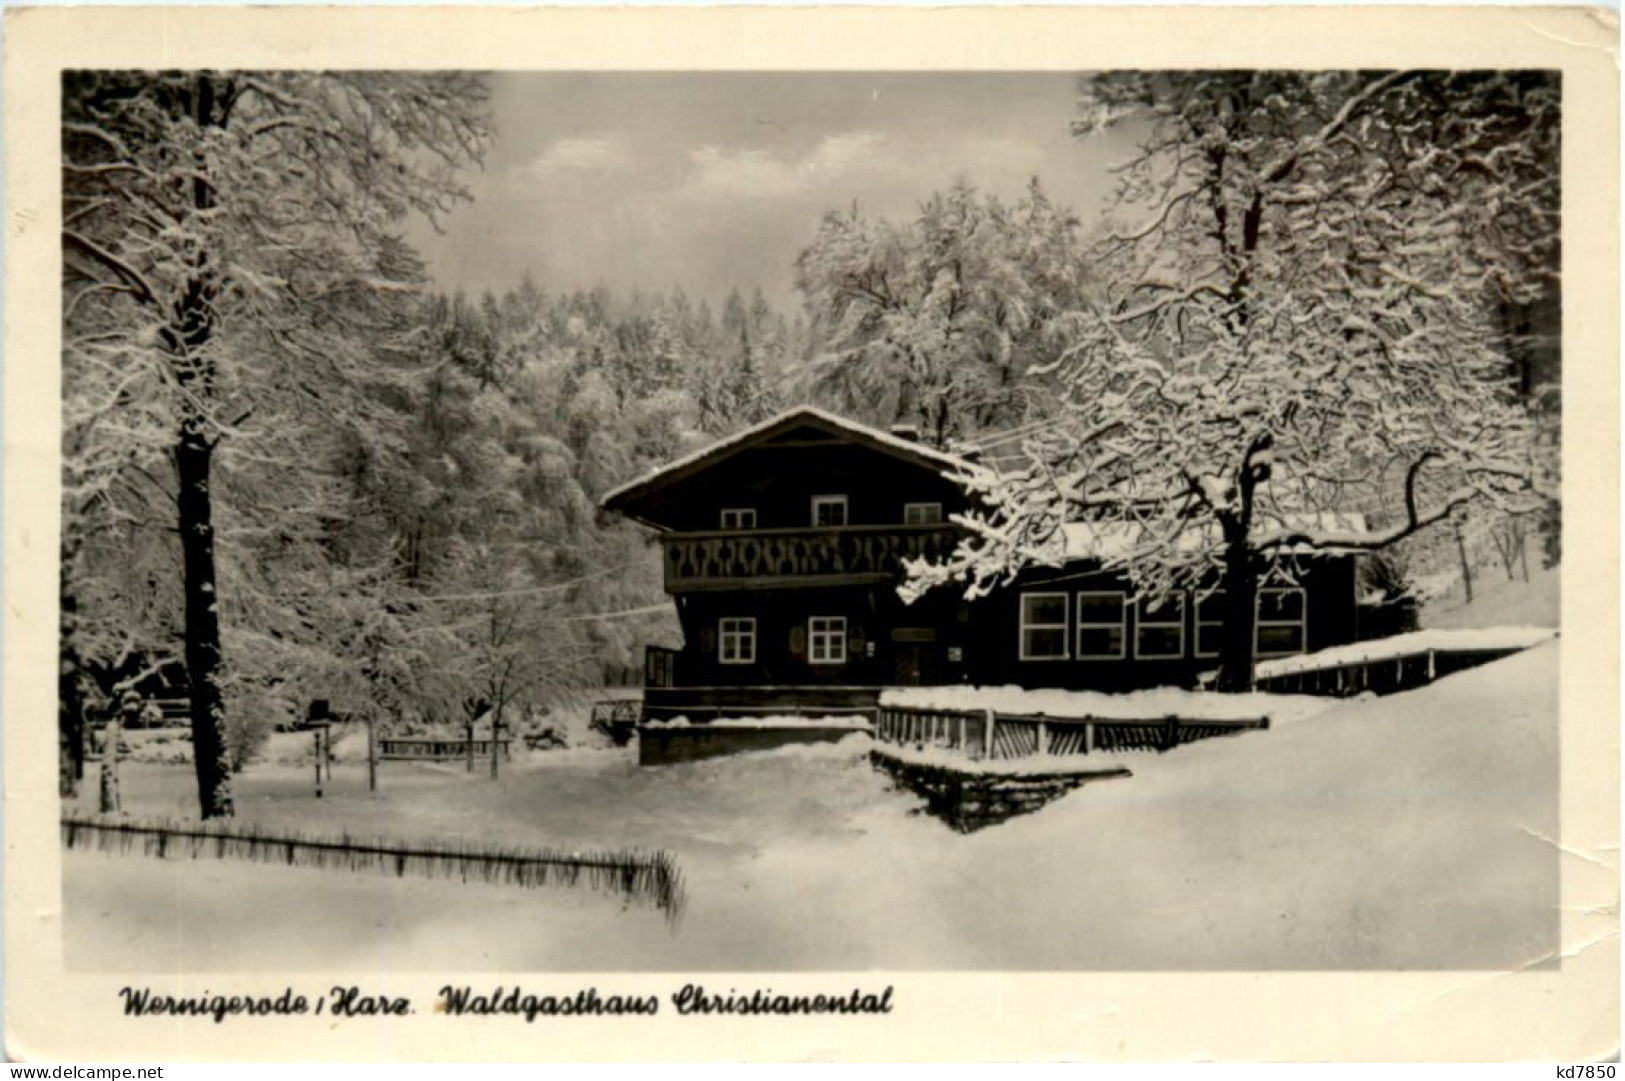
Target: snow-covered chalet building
<point>783,551</point>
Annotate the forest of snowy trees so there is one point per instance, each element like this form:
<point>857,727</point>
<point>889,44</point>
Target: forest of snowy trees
<point>295,465</point>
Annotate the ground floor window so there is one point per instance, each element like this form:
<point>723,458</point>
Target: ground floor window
<point>736,641</point>
<point>1043,626</point>
<point>1280,628</point>
<point>1209,623</point>
<point>826,639</point>
<point>1159,628</point>
<point>1281,622</point>
<point>1102,626</point>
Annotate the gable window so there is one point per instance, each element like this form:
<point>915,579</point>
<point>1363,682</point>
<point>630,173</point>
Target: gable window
<point>736,641</point>
<point>1281,622</point>
<point>1209,623</point>
<point>922,513</point>
<point>1159,630</point>
<point>738,517</point>
<point>1102,626</point>
<point>829,510</point>
<point>1043,626</point>
<point>826,640</point>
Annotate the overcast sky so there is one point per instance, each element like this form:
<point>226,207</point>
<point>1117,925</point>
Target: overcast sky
<point>714,181</point>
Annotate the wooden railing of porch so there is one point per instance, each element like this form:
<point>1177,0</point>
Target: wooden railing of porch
<point>984,734</point>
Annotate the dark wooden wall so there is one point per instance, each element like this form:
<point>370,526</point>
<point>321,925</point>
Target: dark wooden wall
<point>994,657</point>
<point>887,642</point>
<point>779,481</point>
<point>941,639</point>
<point>915,644</point>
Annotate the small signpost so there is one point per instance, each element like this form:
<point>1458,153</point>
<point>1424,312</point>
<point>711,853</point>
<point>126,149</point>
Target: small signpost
<point>322,735</point>
<point>319,722</point>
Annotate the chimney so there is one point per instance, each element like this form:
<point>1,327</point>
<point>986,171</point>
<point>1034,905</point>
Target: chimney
<point>909,432</point>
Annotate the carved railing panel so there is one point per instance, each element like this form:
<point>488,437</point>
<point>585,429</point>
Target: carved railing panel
<point>698,560</point>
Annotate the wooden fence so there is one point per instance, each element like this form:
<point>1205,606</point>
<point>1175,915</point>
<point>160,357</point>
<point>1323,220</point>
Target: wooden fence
<point>640,876</point>
<point>984,734</point>
<point>618,719</point>
<point>420,749</point>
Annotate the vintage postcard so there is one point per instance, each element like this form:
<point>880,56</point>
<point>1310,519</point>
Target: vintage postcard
<point>766,534</point>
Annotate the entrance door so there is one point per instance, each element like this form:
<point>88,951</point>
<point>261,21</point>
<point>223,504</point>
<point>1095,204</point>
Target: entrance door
<point>914,656</point>
<point>908,664</point>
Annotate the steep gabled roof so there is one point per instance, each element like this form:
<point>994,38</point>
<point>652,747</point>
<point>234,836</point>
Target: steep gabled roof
<point>805,416</point>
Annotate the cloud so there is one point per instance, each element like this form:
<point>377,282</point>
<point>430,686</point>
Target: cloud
<point>599,153</point>
<point>719,172</point>
<point>857,160</point>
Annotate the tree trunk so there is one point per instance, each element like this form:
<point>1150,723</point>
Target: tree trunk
<point>210,755</point>
<point>70,703</point>
<point>186,338</point>
<point>70,729</point>
<point>1466,567</point>
<point>496,730</point>
<point>372,752</point>
<point>111,733</point>
<point>1240,614</point>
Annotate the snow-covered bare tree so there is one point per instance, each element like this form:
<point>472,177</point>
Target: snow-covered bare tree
<point>935,321</point>
<point>232,261</point>
<point>1299,323</point>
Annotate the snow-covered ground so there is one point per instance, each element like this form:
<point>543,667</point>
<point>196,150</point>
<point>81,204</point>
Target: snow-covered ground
<point>1411,831</point>
<point>1499,602</point>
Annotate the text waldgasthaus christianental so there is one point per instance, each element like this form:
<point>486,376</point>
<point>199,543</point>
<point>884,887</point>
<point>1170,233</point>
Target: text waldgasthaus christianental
<point>691,999</point>
<point>350,1001</point>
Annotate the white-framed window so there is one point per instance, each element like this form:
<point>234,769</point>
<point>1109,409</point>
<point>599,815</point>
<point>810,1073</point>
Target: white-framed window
<point>1282,624</point>
<point>1102,625</point>
<point>736,640</point>
<point>1043,627</point>
<point>922,513</point>
<point>1209,623</point>
<point>1159,630</point>
<point>738,517</point>
<point>828,510</point>
<point>826,640</point>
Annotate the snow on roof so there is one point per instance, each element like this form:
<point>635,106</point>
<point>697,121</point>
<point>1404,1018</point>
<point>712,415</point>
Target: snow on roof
<point>789,416</point>
<point>1404,645</point>
<point>1109,540</point>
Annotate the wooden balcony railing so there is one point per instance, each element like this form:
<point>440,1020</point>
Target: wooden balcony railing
<point>768,558</point>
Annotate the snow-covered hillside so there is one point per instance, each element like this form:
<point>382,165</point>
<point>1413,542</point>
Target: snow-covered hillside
<point>1500,602</point>
<point>1410,831</point>
<point>1413,831</point>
